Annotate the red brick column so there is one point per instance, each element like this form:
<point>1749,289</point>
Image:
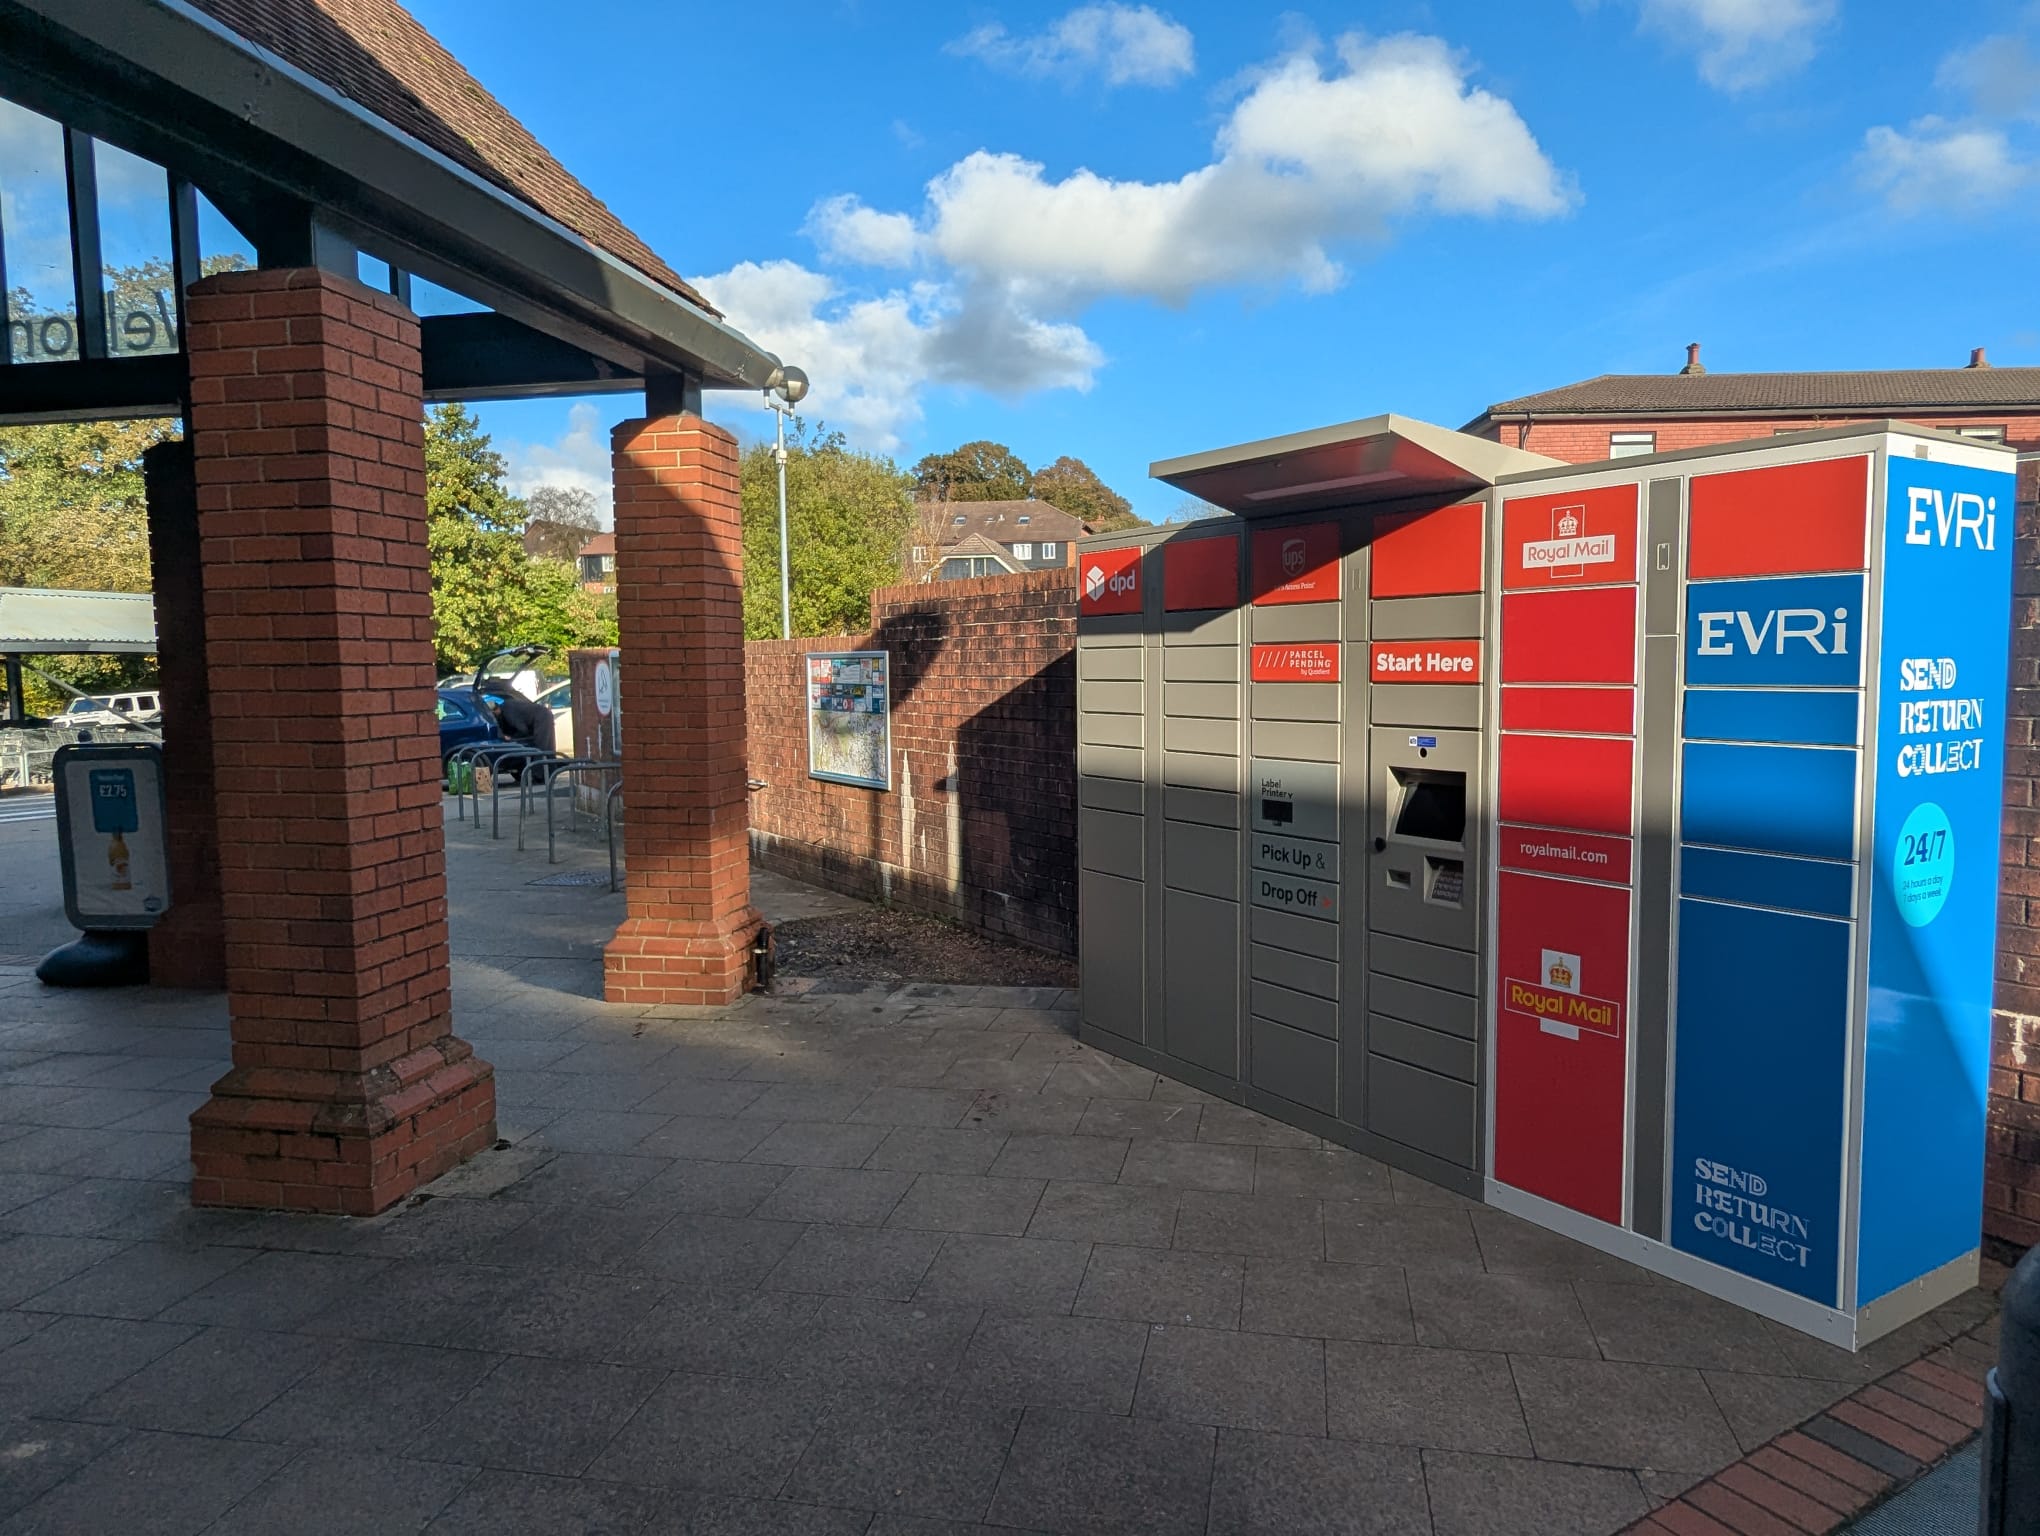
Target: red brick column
<point>187,948</point>
<point>680,607</point>
<point>348,1087</point>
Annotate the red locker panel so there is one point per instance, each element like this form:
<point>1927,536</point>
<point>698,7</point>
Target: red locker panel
<point>1780,521</point>
<point>1200,573</point>
<point>1589,855</point>
<point>1581,782</point>
<point>1570,538</point>
<point>1426,554</point>
<point>1561,1052</point>
<point>1296,565</point>
<point>1315,662</point>
<point>1602,711</point>
<point>1109,582</point>
<point>1588,636</point>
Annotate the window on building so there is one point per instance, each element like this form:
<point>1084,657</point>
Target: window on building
<point>920,554</point>
<point>1625,445</point>
<point>961,519</point>
<point>1983,434</point>
<point>1048,551</point>
<point>1026,517</point>
<point>963,567</point>
<point>1023,551</point>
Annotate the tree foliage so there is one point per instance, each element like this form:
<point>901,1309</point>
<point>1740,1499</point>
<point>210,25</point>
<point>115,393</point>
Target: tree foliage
<point>847,516</point>
<point>1074,486</point>
<point>72,515</point>
<point>487,593</point>
<point>980,471</point>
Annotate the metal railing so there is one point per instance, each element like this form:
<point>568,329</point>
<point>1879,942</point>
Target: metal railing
<point>568,771</point>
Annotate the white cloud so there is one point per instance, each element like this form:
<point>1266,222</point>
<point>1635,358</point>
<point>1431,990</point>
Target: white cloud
<point>1742,43</point>
<point>579,458</point>
<point>1307,158</point>
<point>1316,153</point>
<point>2000,74</point>
<point>1125,44</point>
<point>871,357</point>
<point>1935,164</point>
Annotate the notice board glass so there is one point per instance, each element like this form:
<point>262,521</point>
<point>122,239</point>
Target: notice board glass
<point>849,697</point>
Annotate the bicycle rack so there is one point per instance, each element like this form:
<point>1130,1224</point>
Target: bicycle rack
<point>609,827</point>
<point>570,770</point>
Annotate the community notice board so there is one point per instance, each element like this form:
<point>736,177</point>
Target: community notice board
<point>849,718</point>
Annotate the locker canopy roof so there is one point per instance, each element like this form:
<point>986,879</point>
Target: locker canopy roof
<point>41,621</point>
<point>1384,458</point>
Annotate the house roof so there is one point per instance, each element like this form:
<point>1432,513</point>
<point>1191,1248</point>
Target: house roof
<point>1893,391</point>
<point>1001,521</point>
<point>45,621</point>
<point>377,56</point>
<point>978,544</point>
<point>599,544</point>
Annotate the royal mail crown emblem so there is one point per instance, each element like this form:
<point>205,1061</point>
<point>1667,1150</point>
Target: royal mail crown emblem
<point>1568,525</point>
<point>1560,974</point>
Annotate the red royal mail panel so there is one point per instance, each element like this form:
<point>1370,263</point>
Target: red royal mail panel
<point>1422,554</point>
<point>1317,663</point>
<point>1588,636</point>
<point>1570,539</point>
<point>1585,854</point>
<point>1200,573</point>
<point>1561,1074</point>
<point>1781,520</point>
<point>1108,582</point>
<point>1578,782</point>
<point>1297,565</point>
<point>1604,711</point>
<point>1425,661</point>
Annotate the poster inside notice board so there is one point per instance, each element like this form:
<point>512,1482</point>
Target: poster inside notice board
<point>850,718</point>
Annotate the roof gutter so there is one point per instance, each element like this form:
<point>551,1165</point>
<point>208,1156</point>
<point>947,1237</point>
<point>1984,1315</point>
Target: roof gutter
<point>392,193</point>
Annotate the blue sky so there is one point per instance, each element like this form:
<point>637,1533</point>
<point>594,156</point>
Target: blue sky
<point>1129,232</point>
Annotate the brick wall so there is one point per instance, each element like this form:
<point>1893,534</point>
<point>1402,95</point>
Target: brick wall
<point>981,823</point>
<point>2012,1158</point>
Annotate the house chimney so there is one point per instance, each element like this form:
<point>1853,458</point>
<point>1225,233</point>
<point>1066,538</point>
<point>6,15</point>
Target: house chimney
<point>1977,359</point>
<point>1693,363</point>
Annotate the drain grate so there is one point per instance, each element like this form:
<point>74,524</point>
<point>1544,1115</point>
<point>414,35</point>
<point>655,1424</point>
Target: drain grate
<point>572,877</point>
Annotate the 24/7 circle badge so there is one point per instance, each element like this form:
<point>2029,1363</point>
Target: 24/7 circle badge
<point>1923,864</point>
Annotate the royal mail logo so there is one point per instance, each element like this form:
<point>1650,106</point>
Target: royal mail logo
<point>1556,1002</point>
<point>1570,550</point>
<point>1293,558</point>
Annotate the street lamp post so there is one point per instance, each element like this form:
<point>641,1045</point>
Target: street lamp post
<point>782,393</point>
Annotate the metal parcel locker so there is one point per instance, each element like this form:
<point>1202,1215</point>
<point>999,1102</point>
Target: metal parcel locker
<point>1749,774</point>
<point>1282,787</point>
<point>1616,843</point>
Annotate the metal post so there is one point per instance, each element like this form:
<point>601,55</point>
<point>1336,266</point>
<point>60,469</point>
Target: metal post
<point>785,580</point>
<point>17,703</point>
<point>2011,1431</point>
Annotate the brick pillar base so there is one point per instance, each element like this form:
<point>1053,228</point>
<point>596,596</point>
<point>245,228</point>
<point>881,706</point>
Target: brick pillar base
<point>680,606</point>
<point>187,948</point>
<point>348,1088</point>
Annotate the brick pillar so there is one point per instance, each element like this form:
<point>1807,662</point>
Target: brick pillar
<point>2011,1180</point>
<point>187,948</point>
<point>680,607</point>
<point>348,1087</point>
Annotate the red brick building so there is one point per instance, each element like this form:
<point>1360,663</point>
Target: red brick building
<point>1616,415</point>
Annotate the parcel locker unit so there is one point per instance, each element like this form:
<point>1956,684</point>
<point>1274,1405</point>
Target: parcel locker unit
<point>1749,707</point>
<point>1283,780</point>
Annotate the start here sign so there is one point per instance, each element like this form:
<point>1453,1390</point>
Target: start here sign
<point>1425,661</point>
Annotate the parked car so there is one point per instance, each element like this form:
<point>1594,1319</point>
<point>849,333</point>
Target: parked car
<point>140,708</point>
<point>559,698</point>
<point>461,722</point>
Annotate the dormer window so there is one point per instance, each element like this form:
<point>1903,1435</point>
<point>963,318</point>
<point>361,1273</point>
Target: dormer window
<point>960,520</point>
<point>1026,517</point>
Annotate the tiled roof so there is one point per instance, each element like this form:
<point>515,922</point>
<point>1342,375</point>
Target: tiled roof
<point>376,55</point>
<point>1000,521</point>
<point>1897,390</point>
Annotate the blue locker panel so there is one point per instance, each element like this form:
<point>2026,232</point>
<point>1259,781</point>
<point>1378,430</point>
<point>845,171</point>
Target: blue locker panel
<point>1760,1071</point>
<point>1933,912</point>
<point>1769,799</point>
<point>1781,632</point>
<point>1765,880</point>
<point>1773,715</point>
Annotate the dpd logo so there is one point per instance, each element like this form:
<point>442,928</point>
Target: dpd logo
<point>1111,582</point>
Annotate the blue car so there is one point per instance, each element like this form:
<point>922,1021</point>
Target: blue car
<point>461,724</point>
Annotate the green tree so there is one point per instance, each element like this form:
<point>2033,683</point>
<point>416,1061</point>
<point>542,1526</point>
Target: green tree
<point>559,520</point>
<point>1074,486</point>
<point>72,515</point>
<point>847,515</point>
<point>486,592</point>
<point>980,471</point>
